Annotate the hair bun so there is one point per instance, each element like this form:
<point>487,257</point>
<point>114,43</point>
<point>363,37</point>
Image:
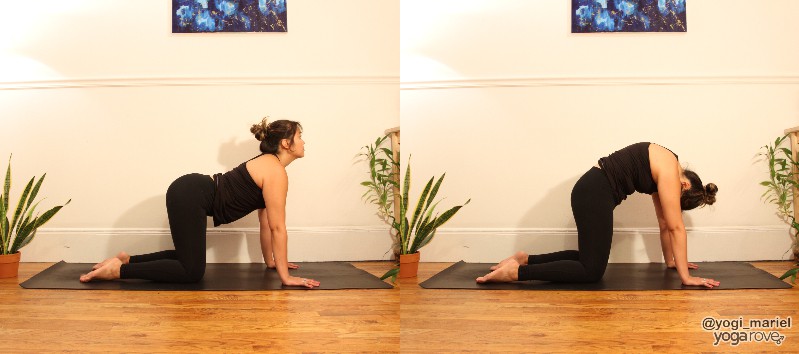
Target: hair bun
<point>259,130</point>
<point>710,193</point>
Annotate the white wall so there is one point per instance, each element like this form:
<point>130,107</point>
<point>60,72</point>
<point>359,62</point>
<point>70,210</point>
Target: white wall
<point>113,106</point>
<point>514,108</point>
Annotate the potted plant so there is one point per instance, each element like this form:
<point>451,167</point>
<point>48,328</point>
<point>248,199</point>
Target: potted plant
<point>419,230</point>
<point>20,229</point>
<point>780,192</point>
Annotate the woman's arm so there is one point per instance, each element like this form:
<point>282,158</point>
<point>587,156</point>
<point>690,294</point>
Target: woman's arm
<point>669,189</point>
<point>665,239</point>
<point>665,236</point>
<point>275,189</point>
<point>266,241</point>
<point>266,238</point>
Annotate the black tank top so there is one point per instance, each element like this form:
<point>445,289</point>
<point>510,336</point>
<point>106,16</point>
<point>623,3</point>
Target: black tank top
<point>236,195</point>
<point>628,171</point>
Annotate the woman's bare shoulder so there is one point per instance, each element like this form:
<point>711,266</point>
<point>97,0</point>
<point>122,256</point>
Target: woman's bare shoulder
<point>662,160</point>
<point>265,167</point>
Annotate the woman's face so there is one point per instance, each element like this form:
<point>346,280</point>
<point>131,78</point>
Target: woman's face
<point>298,149</point>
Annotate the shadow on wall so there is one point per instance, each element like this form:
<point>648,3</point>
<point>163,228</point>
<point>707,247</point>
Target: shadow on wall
<point>233,152</point>
<point>636,211</point>
<point>557,198</point>
<point>140,216</point>
<point>225,247</point>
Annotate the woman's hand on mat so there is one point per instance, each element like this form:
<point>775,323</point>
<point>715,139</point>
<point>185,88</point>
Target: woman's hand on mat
<point>297,281</point>
<point>273,265</point>
<point>710,283</point>
<point>690,266</point>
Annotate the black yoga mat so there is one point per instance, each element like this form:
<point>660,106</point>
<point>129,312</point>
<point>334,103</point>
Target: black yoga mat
<point>618,276</point>
<point>218,276</point>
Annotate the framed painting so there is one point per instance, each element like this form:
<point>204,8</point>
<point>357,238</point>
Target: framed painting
<point>590,16</point>
<point>194,16</point>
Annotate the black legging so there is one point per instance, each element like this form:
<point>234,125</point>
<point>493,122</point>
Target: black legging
<point>188,203</point>
<point>592,205</point>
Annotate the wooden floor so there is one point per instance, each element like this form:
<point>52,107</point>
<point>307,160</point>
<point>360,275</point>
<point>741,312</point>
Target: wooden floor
<point>408,320</point>
<point>37,321</point>
<point>482,321</point>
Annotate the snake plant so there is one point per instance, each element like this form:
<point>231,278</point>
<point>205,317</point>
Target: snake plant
<point>21,228</point>
<point>419,228</point>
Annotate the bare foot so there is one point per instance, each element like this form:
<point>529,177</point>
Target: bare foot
<point>109,271</point>
<point>122,256</point>
<point>508,272</point>
<point>520,257</point>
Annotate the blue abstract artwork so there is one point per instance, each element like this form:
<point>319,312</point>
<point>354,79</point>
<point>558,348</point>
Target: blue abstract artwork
<point>193,16</point>
<point>628,16</point>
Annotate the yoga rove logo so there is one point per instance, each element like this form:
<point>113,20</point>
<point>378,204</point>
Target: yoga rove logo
<point>737,330</point>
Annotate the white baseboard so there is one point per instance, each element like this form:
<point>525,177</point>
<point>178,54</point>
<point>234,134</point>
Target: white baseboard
<point>230,245</point>
<point>224,245</point>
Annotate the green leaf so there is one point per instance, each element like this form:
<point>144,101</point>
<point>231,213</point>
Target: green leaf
<point>21,204</point>
<point>20,242</point>
<point>420,204</point>
<point>790,273</point>
<point>449,214</point>
<point>3,226</point>
<point>391,274</point>
<point>402,226</point>
<point>35,191</point>
<point>429,214</point>
<point>404,235</point>
<point>427,232</point>
<point>7,187</point>
<point>425,240</point>
<point>422,233</point>
<point>434,192</point>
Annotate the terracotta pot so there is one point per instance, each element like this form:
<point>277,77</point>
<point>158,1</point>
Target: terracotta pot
<point>409,265</point>
<point>9,265</point>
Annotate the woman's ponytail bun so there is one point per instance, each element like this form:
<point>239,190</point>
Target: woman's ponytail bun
<point>710,193</point>
<point>259,130</point>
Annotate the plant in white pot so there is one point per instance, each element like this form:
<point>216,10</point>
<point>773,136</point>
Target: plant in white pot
<point>19,228</point>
